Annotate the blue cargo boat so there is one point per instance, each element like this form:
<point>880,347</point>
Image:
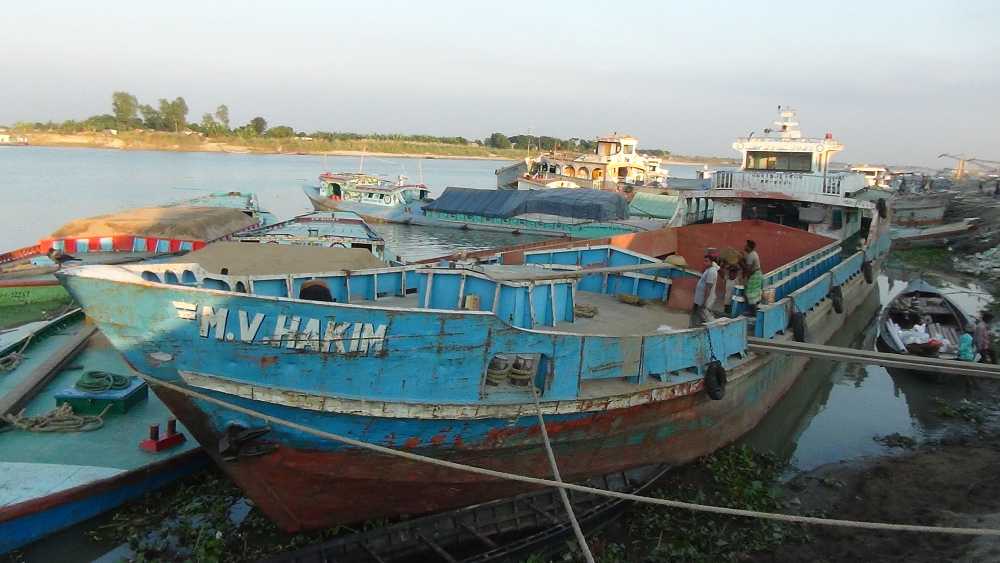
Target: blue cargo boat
<point>446,360</point>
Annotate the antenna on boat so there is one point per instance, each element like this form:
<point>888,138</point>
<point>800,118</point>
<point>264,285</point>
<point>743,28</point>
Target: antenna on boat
<point>361,165</point>
<point>420,171</point>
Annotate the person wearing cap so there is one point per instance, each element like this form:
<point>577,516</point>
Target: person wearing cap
<point>753,288</point>
<point>966,345</point>
<point>704,293</point>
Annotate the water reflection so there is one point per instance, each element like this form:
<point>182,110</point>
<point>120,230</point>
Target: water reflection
<point>834,409</point>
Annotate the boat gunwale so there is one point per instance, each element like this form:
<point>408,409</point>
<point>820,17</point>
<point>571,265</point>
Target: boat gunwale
<point>136,279</point>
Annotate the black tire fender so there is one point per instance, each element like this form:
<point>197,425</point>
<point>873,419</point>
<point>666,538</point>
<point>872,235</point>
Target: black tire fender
<point>798,324</point>
<point>715,381</point>
<point>880,205</point>
<point>837,297</point>
<point>866,269</point>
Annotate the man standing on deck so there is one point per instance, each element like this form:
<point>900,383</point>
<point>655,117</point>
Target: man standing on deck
<point>754,285</point>
<point>704,293</point>
<point>984,341</point>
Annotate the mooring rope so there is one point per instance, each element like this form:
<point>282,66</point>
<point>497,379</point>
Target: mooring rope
<point>59,419</point>
<point>790,518</point>
<point>580,538</point>
<point>14,359</point>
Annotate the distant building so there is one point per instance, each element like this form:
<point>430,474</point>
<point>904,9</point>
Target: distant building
<point>7,138</point>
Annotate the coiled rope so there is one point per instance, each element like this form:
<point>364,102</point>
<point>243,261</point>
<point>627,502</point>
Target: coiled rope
<point>59,419</point>
<point>791,518</point>
<point>97,381</point>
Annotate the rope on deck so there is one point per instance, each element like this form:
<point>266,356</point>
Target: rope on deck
<point>59,419</point>
<point>580,539</point>
<point>14,359</point>
<point>790,518</point>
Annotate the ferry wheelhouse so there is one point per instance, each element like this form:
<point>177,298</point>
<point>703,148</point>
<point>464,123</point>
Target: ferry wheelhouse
<point>614,164</point>
<point>785,178</point>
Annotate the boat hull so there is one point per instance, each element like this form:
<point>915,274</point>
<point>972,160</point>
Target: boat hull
<point>307,482</point>
<point>919,210</point>
<point>25,522</point>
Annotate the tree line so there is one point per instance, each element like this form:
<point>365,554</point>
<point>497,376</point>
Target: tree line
<point>545,143</point>
<point>172,115</point>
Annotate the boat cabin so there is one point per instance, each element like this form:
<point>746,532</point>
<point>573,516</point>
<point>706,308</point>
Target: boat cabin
<point>615,163</point>
<point>785,178</point>
<point>375,190</point>
<point>875,176</point>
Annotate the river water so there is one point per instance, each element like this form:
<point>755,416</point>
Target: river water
<point>43,187</point>
<point>831,414</point>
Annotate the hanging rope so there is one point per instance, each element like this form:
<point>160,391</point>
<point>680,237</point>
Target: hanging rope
<point>580,539</point>
<point>790,518</point>
<point>59,419</point>
<point>97,381</point>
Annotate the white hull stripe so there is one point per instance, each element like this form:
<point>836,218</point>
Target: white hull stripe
<point>387,409</point>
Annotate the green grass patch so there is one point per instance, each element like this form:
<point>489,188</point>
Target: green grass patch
<point>937,258</point>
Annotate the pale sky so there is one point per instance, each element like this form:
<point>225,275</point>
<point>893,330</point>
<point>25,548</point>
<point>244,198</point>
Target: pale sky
<point>896,81</point>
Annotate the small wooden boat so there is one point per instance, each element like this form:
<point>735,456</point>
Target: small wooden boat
<point>501,530</point>
<point>922,321</point>
<point>50,480</point>
<point>331,229</point>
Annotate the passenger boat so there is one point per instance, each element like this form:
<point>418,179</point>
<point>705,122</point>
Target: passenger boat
<point>53,480</point>
<point>615,165</point>
<point>331,229</point>
<point>922,321</point>
<point>598,329</point>
<point>26,278</point>
<point>372,197</point>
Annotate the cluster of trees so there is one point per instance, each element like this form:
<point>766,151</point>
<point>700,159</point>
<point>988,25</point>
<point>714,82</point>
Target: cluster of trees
<point>172,115</point>
<point>524,142</point>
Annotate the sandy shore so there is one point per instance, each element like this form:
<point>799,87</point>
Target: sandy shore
<point>195,143</point>
<point>156,141</point>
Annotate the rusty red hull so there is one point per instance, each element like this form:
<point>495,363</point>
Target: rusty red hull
<point>308,489</point>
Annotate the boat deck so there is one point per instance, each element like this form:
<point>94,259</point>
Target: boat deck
<point>613,317</point>
<point>38,464</point>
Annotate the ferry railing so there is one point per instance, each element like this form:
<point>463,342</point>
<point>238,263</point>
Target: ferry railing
<point>831,184</point>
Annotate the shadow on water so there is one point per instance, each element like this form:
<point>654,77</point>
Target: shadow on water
<point>835,409</point>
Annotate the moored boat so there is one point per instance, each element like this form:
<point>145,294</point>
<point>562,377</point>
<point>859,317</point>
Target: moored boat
<point>26,274</point>
<point>922,320</point>
<point>614,165</point>
<point>446,360</point>
<point>330,229</point>
<point>50,480</point>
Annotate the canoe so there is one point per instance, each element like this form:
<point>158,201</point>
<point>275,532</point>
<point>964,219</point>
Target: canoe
<point>922,320</point>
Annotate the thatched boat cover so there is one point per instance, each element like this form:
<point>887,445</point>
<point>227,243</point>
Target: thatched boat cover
<point>251,258</point>
<point>185,223</point>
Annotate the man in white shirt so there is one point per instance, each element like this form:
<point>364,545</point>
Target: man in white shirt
<point>704,293</point>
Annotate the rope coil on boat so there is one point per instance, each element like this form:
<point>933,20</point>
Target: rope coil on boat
<point>59,419</point>
<point>97,381</point>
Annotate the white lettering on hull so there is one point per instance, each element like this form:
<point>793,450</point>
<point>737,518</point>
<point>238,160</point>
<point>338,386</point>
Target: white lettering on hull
<point>324,336</point>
